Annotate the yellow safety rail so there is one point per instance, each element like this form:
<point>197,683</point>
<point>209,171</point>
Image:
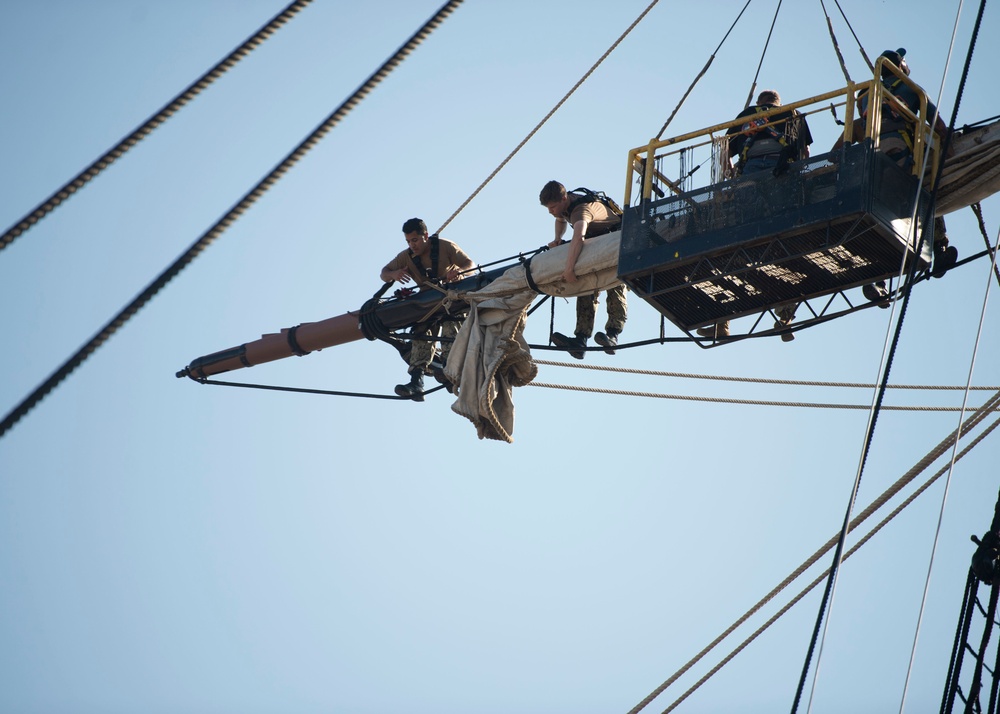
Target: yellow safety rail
<point>643,160</point>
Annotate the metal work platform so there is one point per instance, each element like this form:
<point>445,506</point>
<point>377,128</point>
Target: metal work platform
<point>757,242</point>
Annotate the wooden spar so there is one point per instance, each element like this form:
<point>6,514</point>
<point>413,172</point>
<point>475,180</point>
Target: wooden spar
<point>311,336</point>
<point>300,340</point>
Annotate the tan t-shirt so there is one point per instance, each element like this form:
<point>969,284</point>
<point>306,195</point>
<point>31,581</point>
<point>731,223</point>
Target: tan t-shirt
<point>449,256</point>
<point>600,219</point>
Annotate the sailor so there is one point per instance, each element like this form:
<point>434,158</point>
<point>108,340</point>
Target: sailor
<point>896,142</point>
<point>428,261</point>
<point>768,142</point>
<point>591,214</point>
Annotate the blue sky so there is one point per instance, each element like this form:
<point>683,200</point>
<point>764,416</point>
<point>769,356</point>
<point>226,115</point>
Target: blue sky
<point>167,546</point>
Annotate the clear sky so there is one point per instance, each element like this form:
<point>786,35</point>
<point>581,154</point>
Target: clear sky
<point>167,546</point>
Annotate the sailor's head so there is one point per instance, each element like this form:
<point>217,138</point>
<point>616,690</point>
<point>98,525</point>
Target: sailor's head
<point>769,96</point>
<point>554,197</point>
<point>415,232</point>
<point>897,58</point>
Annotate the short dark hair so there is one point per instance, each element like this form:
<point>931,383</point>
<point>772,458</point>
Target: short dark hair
<point>769,96</point>
<point>414,225</point>
<point>552,191</point>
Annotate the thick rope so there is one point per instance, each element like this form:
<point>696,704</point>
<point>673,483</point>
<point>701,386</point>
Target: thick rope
<point>991,405</point>
<point>863,541</point>
<point>861,49</point>
<point>171,108</point>
<point>758,380</point>
<point>836,45</point>
<point>549,115</point>
<point>223,223</point>
<point>744,402</point>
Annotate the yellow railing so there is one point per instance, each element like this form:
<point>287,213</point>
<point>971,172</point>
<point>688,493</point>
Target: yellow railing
<point>643,161</point>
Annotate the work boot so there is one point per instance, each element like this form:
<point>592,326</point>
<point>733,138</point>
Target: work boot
<point>785,317</point>
<point>945,257</point>
<point>575,345</point>
<point>608,341</point>
<point>716,331</point>
<point>877,292</point>
<point>415,389</point>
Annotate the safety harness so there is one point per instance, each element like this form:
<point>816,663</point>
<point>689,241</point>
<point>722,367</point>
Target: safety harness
<point>585,195</point>
<point>431,273</point>
<point>761,128</point>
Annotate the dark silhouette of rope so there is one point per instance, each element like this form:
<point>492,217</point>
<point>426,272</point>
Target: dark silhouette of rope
<point>171,108</point>
<point>223,223</point>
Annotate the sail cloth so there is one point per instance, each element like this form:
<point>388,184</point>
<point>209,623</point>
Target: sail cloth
<point>490,355</point>
<point>973,172</point>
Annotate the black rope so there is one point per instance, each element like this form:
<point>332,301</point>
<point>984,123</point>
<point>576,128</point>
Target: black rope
<point>767,42</point>
<point>871,67</point>
<point>223,223</point>
<point>978,210</point>
<point>702,73</point>
<point>952,686</point>
<point>303,390</point>
<point>907,289</point>
<point>147,128</point>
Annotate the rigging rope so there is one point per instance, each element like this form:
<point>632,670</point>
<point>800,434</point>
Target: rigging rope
<point>548,116</point>
<point>836,46</point>
<point>978,417</point>
<point>702,73</point>
<point>822,621</point>
<point>223,223</point>
<point>758,380</point>
<point>168,110</point>
<point>972,363</point>
<point>753,86</point>
<point>745,402</point>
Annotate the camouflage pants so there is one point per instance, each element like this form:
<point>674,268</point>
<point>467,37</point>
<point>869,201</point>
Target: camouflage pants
<point>586,308</point>
<point>423,351</point>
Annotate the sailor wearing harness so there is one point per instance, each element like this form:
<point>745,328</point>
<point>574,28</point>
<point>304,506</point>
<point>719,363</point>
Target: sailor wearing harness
<point>896,141</point>
<point>768,142</point>
<point>591,214</point>
<point>427,261</point>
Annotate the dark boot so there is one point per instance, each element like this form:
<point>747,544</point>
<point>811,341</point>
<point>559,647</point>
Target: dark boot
<point>574,345</point>
<point>415,389</point>
<point>877,293</point>
<point>608,341</point>
<point>945,257</point>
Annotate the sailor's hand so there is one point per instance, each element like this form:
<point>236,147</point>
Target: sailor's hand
<point>402,275</point>
<point>556,243</point>
<point>569,275</point>
<point>452,275</point>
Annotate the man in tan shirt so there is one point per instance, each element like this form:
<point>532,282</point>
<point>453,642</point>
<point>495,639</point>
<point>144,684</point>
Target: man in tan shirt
<point>428,260</point>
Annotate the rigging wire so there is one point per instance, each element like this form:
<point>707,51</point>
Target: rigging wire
<point>753,86</point>
<point>933,455</point>
<point>978,210</point>
<point>972,362</point>
<point>725,400</point>
<point>229,218</point>
<point>836,45</point>
<point>702,73</point>
<point>758,380</point>
<point>548,116</point>
<point>147,128</point>
<point>822,620</point>
<point>861,48</point>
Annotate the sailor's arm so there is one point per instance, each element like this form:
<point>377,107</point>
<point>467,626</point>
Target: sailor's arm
<point>560,231</point>
<point>575,246</point>
<point>462,263</point>
<point>390,274</point>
